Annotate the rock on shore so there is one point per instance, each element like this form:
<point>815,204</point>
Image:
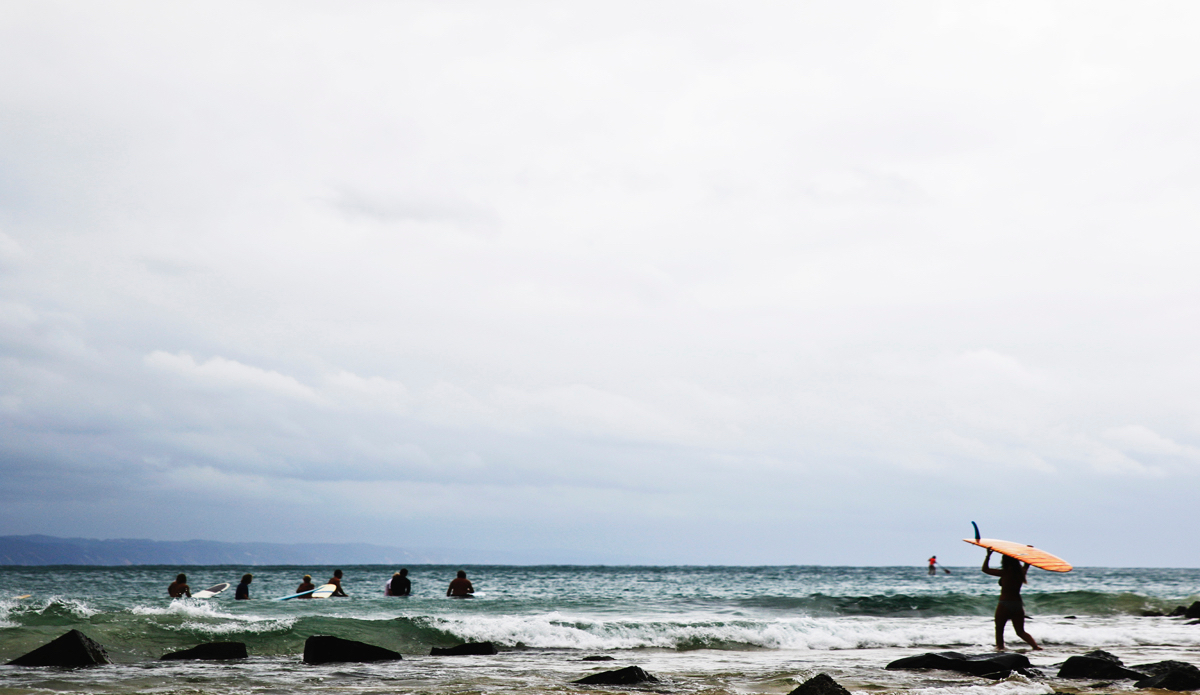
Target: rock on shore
<point>630,675</point>
<point>74,649</point>
<point>820,684</point>
<point>466,649</point>
<point>994,666</point>
<point>209,651</point>
<point>323,649</point>
<point>1098,665</point>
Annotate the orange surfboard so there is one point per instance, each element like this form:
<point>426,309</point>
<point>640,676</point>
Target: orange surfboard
<point>1024,553</point>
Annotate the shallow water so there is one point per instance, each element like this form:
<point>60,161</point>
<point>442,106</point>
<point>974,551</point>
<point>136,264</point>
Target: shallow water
<point>701,629</point>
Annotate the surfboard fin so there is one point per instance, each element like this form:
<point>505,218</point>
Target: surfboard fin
<point>976,530</point>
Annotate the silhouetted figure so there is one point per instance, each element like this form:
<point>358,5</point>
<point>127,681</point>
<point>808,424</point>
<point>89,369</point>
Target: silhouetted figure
<point>400,584</point>
<point>460,586</point>
<point>243,590</point>
<point>179,588</point>
<point>305,585</point>
<point>336,580</point>
<point>1011,607</point>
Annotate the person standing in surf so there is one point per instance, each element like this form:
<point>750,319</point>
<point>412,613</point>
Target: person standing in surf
<point>179,588</point>
<point>400,585</point>
<point>1011,607</point>
<point>460,586</point>
<point>242,593</point>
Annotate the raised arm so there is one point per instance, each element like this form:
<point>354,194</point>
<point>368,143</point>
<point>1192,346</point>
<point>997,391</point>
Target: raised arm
<point>989,570</point>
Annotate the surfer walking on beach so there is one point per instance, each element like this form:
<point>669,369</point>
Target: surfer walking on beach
<point>1011,607</point>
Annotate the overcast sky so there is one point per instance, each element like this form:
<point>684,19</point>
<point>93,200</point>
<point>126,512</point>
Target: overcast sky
<point>665,282</point>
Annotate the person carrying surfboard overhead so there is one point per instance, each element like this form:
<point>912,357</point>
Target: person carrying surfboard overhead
<point>1011,607</point>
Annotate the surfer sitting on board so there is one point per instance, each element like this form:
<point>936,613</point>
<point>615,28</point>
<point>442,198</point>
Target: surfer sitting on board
<point>179,588</point>
<point>336,580</point>
<point>305,585</point>
<point>460,586</point>
<point>1011,607</point>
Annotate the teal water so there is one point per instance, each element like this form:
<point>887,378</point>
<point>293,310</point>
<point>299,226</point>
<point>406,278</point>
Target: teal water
<point>763,627</point>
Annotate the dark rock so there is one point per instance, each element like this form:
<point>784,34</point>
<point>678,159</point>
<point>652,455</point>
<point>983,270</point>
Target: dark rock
<point>1179,676</point>
<point>323,649</point>
<point>1153,614</point>
<point>210,651</point>
<point>1178,611</point>
<point>630,675</point>
<point>466,649</point>
<point>1193,610</point>
<point>1159,667</point>
<point>1192,622</point>
<point>597,658</point>
<point>1097,664</point>
<point>72,649</point>
<point>994,666</point>
<point>820,684</point>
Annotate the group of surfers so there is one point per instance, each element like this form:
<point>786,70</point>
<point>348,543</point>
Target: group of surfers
<point>399,585</point>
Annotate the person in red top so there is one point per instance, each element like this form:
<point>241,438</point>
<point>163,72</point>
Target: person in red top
<point>336,580</point>
<point>933,565</point>
<point>460,587</point>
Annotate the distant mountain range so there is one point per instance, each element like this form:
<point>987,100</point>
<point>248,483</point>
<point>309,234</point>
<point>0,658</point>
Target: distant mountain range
<point>49,550</point>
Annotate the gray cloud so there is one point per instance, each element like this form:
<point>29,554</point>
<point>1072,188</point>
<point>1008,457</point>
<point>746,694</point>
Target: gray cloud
<point>756,284</point>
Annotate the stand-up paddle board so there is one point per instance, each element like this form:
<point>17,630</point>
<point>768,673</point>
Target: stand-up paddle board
<point>211,591</point>
<point>302,593</point>
<point>1024,553</point>
<point>324,591</point>
<point>24,596</point>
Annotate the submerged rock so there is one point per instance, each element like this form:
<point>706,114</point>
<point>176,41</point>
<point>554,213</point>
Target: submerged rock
<point>323,649</point>
<point>466,649</point>
<point>209,651</point>
<point>630,675</point>
<point>994,666</point>
<point>1171,675</point>
<point>1097,664</point>
<point>820,684</point>
<point>73,649</point>
<point>1193,611</point>
<point>598,658</point>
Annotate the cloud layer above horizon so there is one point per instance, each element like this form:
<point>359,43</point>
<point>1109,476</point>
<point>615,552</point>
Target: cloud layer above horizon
<point>646,282</point>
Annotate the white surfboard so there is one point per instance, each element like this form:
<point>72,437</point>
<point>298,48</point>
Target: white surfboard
<point>324,591</point>
<point>211,591</point>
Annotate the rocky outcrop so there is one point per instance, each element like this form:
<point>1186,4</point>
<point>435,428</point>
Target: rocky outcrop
<point>994,666</point>
<point>466,649</point>
<point>820,684</point>
<point>73,649</point>
<point>1098,665</point>
<point>323,649</point>
<point>209,651</point>
<point>1193,611</point>
<point>598,658</point>
<point>630,675</point>
<point>1170,675</point>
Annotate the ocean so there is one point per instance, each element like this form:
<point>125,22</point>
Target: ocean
<point>702,630</point>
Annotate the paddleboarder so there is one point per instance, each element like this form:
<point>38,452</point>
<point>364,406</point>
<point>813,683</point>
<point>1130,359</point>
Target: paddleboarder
<point>1011,607</point>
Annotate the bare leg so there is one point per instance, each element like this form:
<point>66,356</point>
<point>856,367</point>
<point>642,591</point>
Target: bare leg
<point>1018,622</point>
<point>1001,619</point>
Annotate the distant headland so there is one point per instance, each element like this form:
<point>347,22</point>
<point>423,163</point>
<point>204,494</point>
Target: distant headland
<point>50,550</point>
